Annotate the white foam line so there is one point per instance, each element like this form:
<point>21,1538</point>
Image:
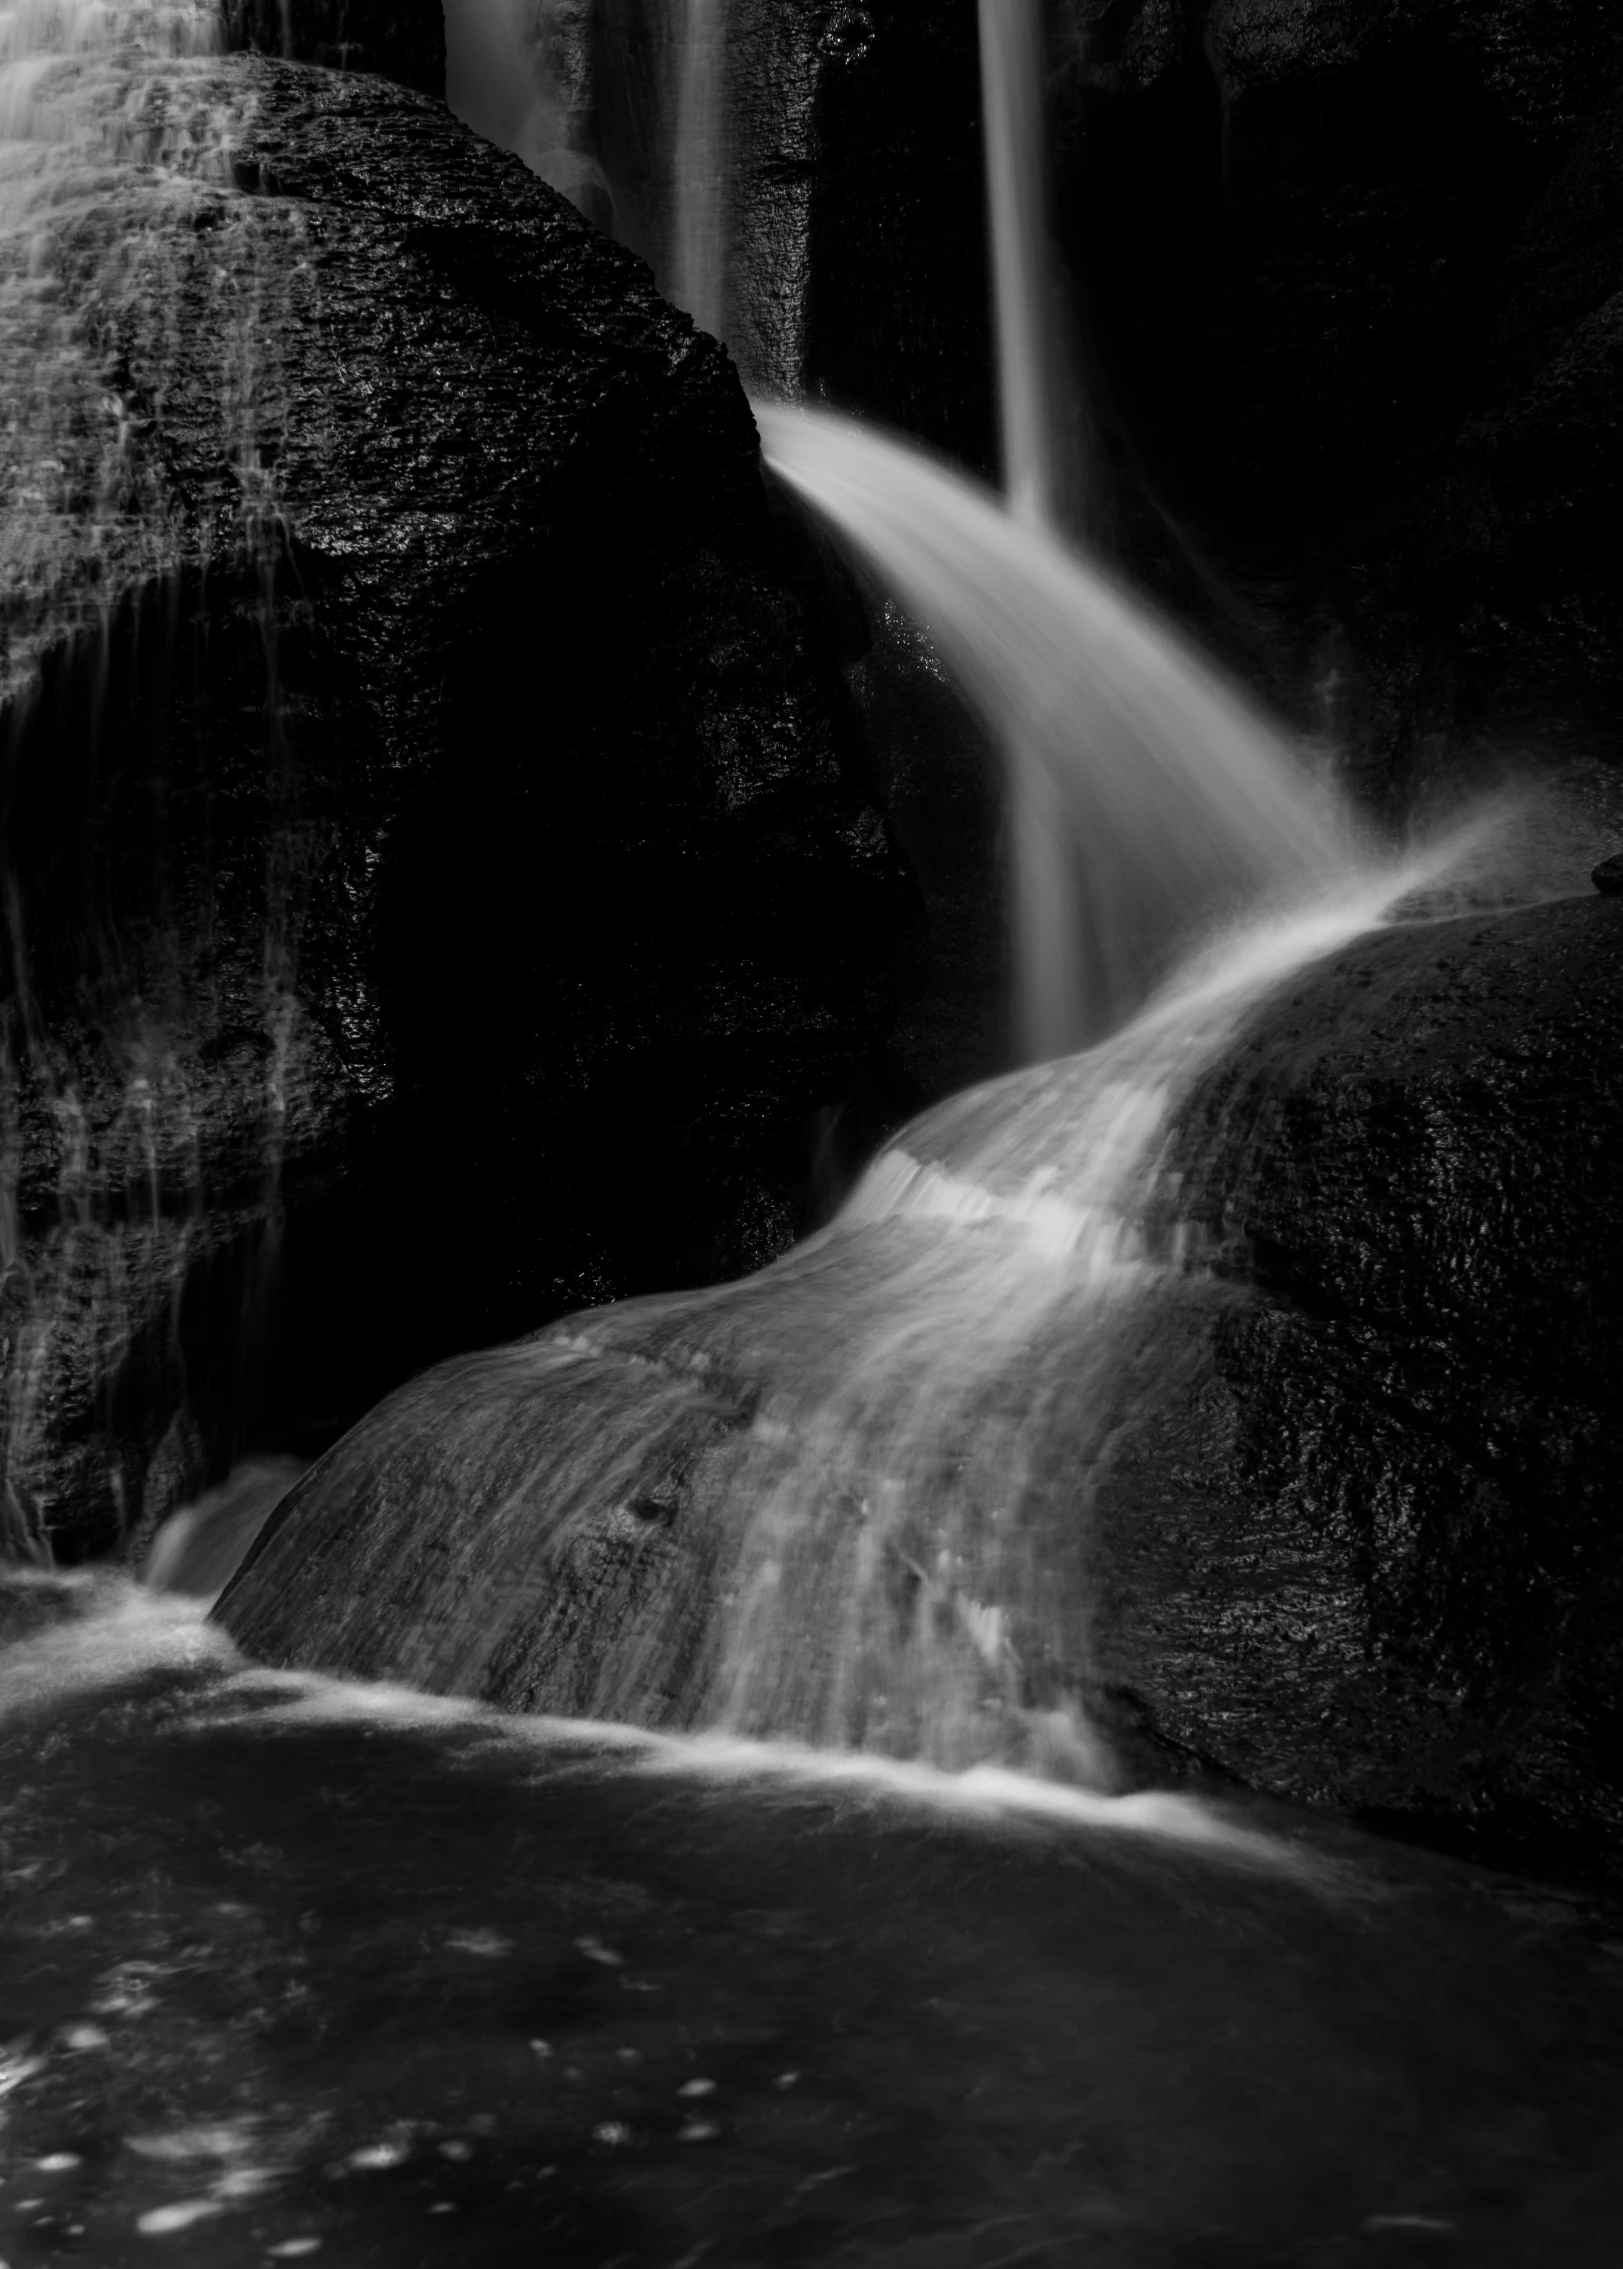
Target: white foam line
<point>130,1631</point>
<point>983,1795</point>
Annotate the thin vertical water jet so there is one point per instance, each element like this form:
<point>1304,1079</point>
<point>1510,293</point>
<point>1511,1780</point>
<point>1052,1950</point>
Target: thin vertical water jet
<point>699,208</point>
<point>1032,414</point>
<point>1063,990</point>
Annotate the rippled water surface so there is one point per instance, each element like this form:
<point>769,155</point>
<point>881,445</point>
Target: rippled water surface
<point>294,1968</point>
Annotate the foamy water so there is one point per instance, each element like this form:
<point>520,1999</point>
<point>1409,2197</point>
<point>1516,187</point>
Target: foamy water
<point>120,1635</point>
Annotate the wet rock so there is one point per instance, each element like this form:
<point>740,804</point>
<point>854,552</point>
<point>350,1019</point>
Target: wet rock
<point>1346,280</point>
<point>1358,1541</point>
<point>1330,1514</point>
<point>396,39</point>
<point>443,878</point>
<point>1374,381</point>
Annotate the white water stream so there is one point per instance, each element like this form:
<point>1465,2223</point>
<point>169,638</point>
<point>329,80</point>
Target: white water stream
<point>899,1561</point>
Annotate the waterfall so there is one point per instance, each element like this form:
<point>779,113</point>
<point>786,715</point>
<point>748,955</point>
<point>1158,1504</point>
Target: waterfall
<point>1032,410</point>
<point>120,224</point>
<point>1178,807</point>
<point>842,1502</point>
<point>1064,990</point>
<point>526,74</point>
<point>520,73</point>
<point>699,218</point>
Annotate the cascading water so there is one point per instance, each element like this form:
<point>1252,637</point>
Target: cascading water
<point>117,202</point>
<point>844,1500</point>
<point>698,262</point>
<point>1065,991</point>
<point>1178,803</point>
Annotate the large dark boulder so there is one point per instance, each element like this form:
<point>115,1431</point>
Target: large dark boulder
<point>1358,1535</point>
<point>442,881</point>
<point>1331,1513</point>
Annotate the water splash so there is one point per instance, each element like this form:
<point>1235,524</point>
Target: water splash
<point>100,1636</point>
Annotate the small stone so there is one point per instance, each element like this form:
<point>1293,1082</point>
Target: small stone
<point>1608,877</point>
<point>1376,2222</point>
<point>697,2088</point>
<point>698,2131</point>
<point>59,2162</point>
<point>614,2132</point>
<point>445,2206</point>
<point>292,2247</point>
<point>786,2080</point>
<point>85,2036</point>
<point>541,2048</point>
<point>595,1951</point>
<point>456,2149</point>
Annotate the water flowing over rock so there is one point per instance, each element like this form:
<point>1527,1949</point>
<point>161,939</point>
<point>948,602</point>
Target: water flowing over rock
<point>981,1472</point>
<point>375,544</point>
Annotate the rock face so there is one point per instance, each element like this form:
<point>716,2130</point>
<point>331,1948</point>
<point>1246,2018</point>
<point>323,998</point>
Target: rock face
<point>1360,1538</point>
<point>1346,276</point>
<point>1333,1518</point>
<point>395,39</point>
<point>442,881</point>
<point>1352,274</point>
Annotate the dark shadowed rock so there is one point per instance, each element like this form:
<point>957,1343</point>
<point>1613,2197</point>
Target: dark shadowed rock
<point>1359,1542</point>
<point>1351,273</point>
<point>1608,876</point>
<point>442,879</point>
<point>1334,1517</point>
<point>395,39</point>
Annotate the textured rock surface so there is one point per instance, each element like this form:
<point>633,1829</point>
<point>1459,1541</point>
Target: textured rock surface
<point>1335,1519</point>
<point>1351,272</point>
<point>1360,1539</point>
<point>1347,276</point>
<point>425,762</point>
<point>396,39</point>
